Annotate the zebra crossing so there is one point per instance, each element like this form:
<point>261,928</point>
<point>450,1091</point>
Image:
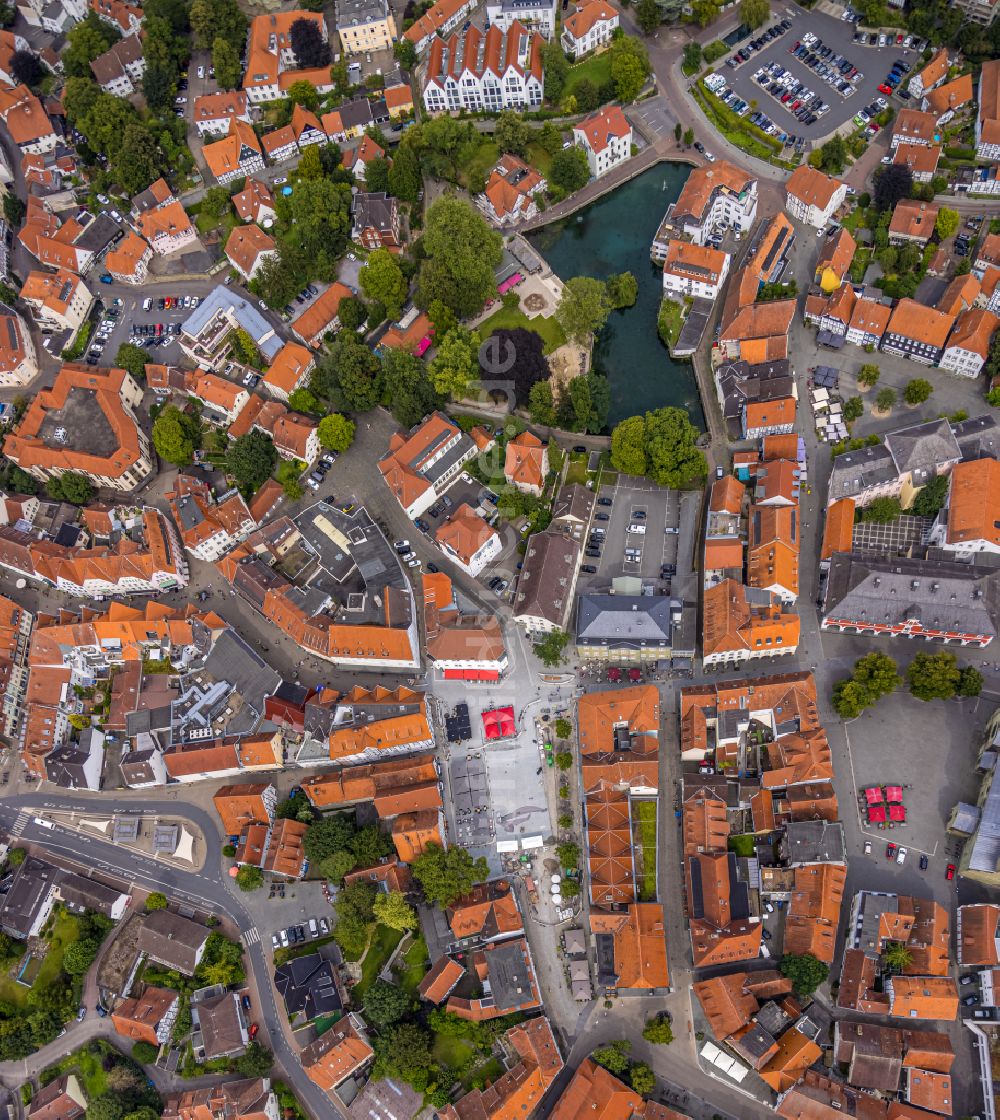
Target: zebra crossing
<point>19,825</point>
<point>250,937</point>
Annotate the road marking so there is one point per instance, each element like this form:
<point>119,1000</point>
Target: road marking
<point>19,825</point>
<point>250,937</point>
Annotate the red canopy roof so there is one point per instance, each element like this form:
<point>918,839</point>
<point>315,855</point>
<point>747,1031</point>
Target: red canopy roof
<point>876,814</point>
<point>874,795</point>
<point>498,723</point>
<point>614,674</point>
<point>897,813</point>
<point>894,793</point>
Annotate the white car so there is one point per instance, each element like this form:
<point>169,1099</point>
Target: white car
<point>868,847</point>
<point>201,71</point>
<point>709,157</point>
<point>901,855</point>
<point>280,179</point>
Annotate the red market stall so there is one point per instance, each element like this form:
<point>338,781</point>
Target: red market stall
<point>894,794</point>
<point>897,813</point>
<point>873,795</point>
<point>876,814</point>
<point>499,723</point>
<point>614,675</point>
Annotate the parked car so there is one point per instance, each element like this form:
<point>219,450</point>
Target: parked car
<point>589,569</point>
<point>923,863</point>
<point>968,978</point>
<point>950,871</point>
<point>901,855</point>
<point>890,851</point>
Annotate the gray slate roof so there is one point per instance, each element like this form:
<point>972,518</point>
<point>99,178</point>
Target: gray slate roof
<point>623,621</point>
<point>941,595</point>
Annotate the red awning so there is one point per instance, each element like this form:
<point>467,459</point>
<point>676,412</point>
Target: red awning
<point>614,674</point>
<point>876,814</point>
<point>634,675</point>
<point>874,795</point>
<point>897,813</point>
<point>894,794</point>
<point>498,723</point>
<point>471,675</point>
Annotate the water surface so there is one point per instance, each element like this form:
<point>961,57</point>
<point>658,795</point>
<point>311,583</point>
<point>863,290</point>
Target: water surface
<point>614,235</point>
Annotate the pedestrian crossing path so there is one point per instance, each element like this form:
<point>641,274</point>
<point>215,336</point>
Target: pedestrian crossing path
<point>19,825</point>
<point>250,937</point>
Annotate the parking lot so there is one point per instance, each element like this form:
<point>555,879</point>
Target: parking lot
<point>131,317</point>
<point>649,511</point>
<point>838,35</point>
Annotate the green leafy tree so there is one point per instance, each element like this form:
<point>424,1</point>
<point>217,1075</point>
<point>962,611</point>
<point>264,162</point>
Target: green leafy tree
<point>386,1004</point>
<point>691,60</point>
<point>614,1056</point>
<point>564,759</point>
<point>565,820</point>
<point>947,222</point>
<point>970,681</point>
<point>658,1031</point>
<point>629,67</point>
<point>541,405</point>
<point>382,279</point>
<point>704,11</point>
<point>405,178</point>
<point>328,835</point>
<point>868,375</point>
<point>352,313</point>
<point>336,432</point>
<point>251,460</point>
<point>79,956</point>
<point>145,1053</point>
<point>569,854</point>
<point>551,648</point>
<point>27,68</point>
<point>461,252</point>
<point>628,446</point>
<point>582,308</point>
<point>132,358</point>
<point>933,676</point>
<point>642,1078</point>
<point>556,69</point>
<point>301,400</point>
<point>885,399</point>
<point>511,133</point>
<point>833,155</point>
<point>564,728</point>
<point>882,511</point>
<point>249,878</point>
<point>279,279</point>
<point>71,487</point>
<point>405,54</point>
<point>897,956</point>
<point>673,459</point>
<point>305,94</point>
<point>404,1051</point>
<point>255,1061</point>
<point>156,900</point>
<point>406,387</point>
<point>369,845</point>
<point>226,60</point>
<point>803,969</point>
<point>854,408</point>
<point>647,15</point>
<point>587,95</point>
<point>351,371</point>
<point>569,170</point>
<point>931,498</point>
<point>88,39</point>
<point>875,675</point>
<point>447,874</point>
<point>392,910</point>
<point>688,137</point>
<point>105,1107</point>
<point>213,19</point>
<point>176,436</point>
<point>455,363</point>
<point>336,866</point>
<point>229,850</point>
<point>16,856</point>
<point>754,13</point>
<point>622,289</point>
<point>917,390</point>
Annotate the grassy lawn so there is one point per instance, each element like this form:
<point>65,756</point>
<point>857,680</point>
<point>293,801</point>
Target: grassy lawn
<point>644,832</point>
<point>65,930</point>
<point>670,320</point>
<point>577,470</point>
<point>488,1071</point>
<point>380,948</point>
<point>508,318</point>
<point>742,845</point>
<point>454,1053</point>
<point>597,68</point>
<point>745,136</point>
<point>862,259</point>
<point>540,158</point>
<point>480,161</point>
<point>87,1062</point>
<point>411,967</point>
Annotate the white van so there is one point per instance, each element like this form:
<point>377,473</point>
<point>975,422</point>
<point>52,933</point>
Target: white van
<point>634,528</point>
<point>43,823</point>
<point>147,304</point>
<point>313,928</point>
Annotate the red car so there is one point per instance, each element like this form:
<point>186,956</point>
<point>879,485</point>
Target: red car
<point>950,871</point>
<point>253,1031</point>
<point>887,90</point>
<point>899,39</point>
<point>890,852</point>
